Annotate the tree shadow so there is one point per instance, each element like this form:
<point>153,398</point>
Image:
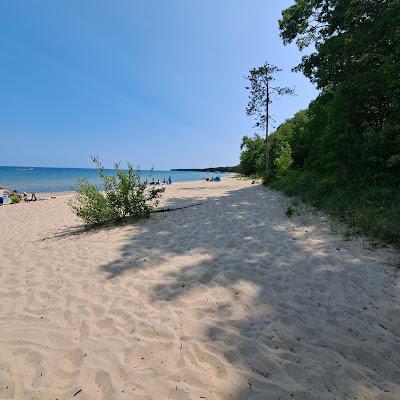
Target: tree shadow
<point>296,313</point>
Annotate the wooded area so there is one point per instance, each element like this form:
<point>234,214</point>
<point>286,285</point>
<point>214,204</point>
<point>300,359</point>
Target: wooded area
<point>342,154</point>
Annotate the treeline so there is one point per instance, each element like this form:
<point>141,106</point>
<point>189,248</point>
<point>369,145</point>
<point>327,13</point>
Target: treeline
<point>342,154</point>
<point>212,169</point>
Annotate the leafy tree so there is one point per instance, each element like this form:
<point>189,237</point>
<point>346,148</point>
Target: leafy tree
<point>343,153</point>
<point>295,132</point>
<point>261,91</point>
<point>349,151</point>
<point>356,64</point>
<point>252,155</point>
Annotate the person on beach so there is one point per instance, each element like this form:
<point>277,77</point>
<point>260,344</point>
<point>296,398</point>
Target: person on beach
<point>2,191</point>
<point>15,197</point>
<point>4,194</point>
<point>33,197</point>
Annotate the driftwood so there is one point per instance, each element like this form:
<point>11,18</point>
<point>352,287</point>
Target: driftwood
<point>177,208</point>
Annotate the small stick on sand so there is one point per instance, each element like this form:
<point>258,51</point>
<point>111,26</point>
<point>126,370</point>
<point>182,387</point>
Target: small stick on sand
<point>177,208</point>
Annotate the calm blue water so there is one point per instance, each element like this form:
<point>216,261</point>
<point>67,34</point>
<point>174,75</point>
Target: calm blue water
<point>64,179</point>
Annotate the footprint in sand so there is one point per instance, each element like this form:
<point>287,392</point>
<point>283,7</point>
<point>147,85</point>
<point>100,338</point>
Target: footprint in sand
<point>75,357</point>
<point>104,383</point>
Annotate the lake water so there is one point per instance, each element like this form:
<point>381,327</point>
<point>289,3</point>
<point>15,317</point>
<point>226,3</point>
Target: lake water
<point>40,179</point>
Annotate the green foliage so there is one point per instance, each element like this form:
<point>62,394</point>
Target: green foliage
<point>289,211</point>
<point>123,196</point>
<point>252,156</point>
<point>283,161</point>
<point>393,161</point>
<point>370,210</point>
<point>342,154</point>
<point>261,92</point>
<point>356,119</point>
<point>91,205</point>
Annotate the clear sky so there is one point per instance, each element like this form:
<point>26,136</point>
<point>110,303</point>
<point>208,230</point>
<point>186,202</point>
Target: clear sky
<point>157,82</point>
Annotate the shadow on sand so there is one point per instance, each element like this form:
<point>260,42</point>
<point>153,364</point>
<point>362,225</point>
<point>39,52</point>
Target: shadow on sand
<point>294,314</point>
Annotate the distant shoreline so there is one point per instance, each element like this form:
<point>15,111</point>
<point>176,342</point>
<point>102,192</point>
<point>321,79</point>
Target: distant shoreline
<point>212,169</point>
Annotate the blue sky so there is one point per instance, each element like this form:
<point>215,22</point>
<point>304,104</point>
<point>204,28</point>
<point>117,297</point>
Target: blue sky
<point>159,83</point>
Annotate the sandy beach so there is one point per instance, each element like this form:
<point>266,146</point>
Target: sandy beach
<point>229,299</point>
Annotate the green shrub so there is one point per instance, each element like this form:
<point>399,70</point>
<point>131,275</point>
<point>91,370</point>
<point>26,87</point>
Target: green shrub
<point>370,210</point>
<point>122,196</point>
<point>284,161</point>
<point>289,211</point>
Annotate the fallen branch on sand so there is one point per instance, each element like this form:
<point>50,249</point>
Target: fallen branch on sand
<point>174,209</point>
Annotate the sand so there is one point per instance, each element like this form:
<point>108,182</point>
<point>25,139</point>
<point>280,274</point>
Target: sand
<point>230,299</point>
